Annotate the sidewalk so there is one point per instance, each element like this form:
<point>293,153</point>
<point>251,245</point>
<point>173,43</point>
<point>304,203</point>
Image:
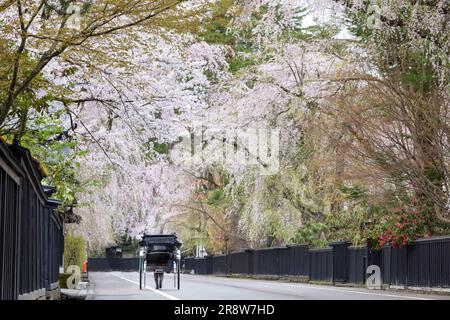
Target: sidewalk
<point>84,291</point>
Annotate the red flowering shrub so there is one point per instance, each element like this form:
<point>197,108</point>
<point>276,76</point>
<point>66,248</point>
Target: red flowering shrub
<point>406,229</point>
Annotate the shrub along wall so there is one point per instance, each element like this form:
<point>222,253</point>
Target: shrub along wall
<point>74,252</point>
<point>423,264</point>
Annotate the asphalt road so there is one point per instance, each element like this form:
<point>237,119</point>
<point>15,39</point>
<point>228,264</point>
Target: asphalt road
<point>125,286</point>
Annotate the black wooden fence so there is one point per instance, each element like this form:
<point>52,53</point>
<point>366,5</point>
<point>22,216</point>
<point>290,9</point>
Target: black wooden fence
<point>423,264</point>
<point>357,264</point>
<point>219,265</point>
<point>321,264</point>
<point>113,264</point>
<point>31,231</point>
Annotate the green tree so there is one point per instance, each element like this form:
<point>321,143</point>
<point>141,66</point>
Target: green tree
<point>46,26</point>
<point>401,122</point>
<point>58,151</point>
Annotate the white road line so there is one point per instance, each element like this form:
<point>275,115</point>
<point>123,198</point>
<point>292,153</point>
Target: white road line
<point>315,287</point>
<point>168,296</point>
<point>165,295</point>
<point>350,291</point>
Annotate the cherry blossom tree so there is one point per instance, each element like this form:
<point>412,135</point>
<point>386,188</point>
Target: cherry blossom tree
<point>164,94</point>
<point>139,116</point>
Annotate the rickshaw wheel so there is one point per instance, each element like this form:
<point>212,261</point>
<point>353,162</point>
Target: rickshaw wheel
<point>161,277</point>
<point>158,280</point>
<point>141,267</point>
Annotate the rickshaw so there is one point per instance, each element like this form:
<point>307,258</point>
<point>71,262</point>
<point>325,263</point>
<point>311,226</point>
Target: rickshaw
<point>159,254</point>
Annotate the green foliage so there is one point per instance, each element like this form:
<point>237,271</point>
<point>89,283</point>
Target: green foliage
<point>403,229</point>
<point>74,251</point>
<point>130,245</point>
<point>353,192</point>
<point>418,61</point>
<point>219,30</point>
<point>177,111</point>
<point>239,63</point>
<point>310,233</point>
<point>258,15</point>
<point>58,153</point>
<point>211,76</point>
<point>160,148</point>
<point>357,24</point>
<point>420,74</point>
<point>40,129</point>
<point>216,197</point>
<point>298,32</point>
<point>348,223</point>
<point>216,29</point>
<point>152,148</point>
<point>27,99</point>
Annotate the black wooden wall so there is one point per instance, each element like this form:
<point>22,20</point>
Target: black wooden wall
<point>31,230</point>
